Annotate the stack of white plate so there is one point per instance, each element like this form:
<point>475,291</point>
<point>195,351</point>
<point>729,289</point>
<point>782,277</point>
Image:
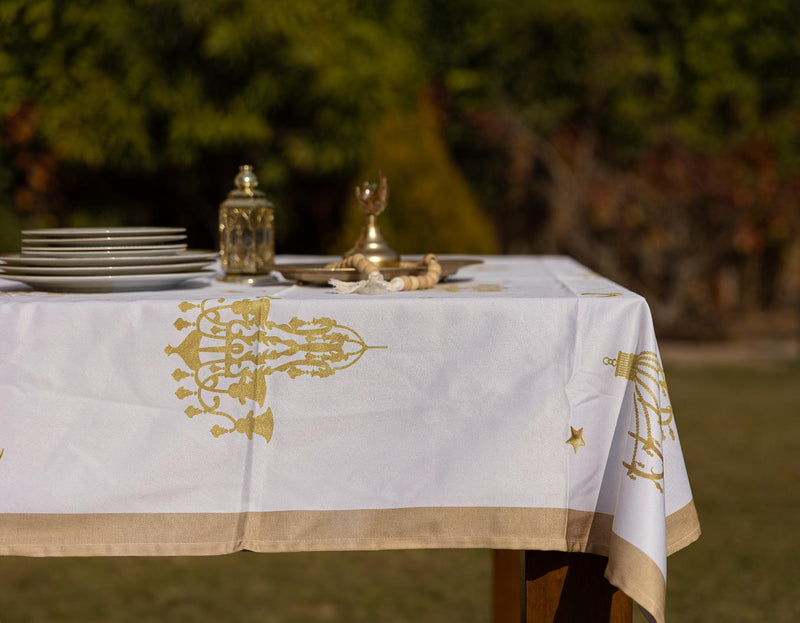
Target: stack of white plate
<point>112,259</point>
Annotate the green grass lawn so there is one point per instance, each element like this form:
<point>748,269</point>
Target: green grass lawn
<point>740,431</point>
<point>741,439</point>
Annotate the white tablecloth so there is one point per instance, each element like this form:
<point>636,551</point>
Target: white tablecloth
<point>521,405</point>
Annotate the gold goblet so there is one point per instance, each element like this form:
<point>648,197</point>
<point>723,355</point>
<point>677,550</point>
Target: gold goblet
<point>372,199</point>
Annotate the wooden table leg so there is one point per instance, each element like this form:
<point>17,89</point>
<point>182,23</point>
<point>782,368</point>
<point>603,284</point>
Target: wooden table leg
<point>559,587</point>
<point>508,586</point>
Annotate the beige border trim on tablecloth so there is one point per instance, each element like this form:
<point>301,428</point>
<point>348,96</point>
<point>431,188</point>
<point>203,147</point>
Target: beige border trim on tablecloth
<point>683,528</point>
<point>165,534</point>
<point>179,534</point>
<point>636,575</point>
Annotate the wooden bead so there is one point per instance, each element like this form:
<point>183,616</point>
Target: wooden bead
<point>357,261</point>
<point>431,277</point>
<point>427,281</point>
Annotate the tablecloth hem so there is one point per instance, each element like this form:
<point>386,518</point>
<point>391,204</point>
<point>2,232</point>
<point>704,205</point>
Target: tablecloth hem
<point>182,534</point>
<point>683,528</point>
<point>279,546</point>
<point>636,575</point>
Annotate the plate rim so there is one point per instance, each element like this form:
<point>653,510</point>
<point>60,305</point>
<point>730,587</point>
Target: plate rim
<point>97,271</point>
<point>99,251</point>
<point>89,232</point>
<point>97,241</point>
<point>18,259</point>
<point>106,284</point>
<point>108,278</point>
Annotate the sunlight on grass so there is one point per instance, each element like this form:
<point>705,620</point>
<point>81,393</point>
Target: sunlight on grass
<point>739,432</point>
<point>423,586</point>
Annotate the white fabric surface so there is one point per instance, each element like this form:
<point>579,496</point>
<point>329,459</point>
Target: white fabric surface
<point>469,402</point>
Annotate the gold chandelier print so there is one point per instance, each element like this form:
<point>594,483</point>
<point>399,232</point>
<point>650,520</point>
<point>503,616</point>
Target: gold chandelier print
<point>652,413</point>
<point>230,349</point>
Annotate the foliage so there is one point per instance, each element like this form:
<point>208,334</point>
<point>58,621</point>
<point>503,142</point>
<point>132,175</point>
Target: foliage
<point>147,84</point>
<point>431,207</point>
<point>158,90</point>
<point>657,142</point>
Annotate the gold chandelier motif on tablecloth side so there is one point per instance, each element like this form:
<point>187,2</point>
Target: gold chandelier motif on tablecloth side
<point>230,348</point>
<point>653,416</point>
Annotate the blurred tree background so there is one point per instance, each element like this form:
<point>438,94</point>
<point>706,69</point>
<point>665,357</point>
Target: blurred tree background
<point>656,142</point>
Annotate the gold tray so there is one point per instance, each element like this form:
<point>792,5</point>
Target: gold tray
<point>318,274</point>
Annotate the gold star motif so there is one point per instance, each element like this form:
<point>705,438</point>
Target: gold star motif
<point>576,438</point>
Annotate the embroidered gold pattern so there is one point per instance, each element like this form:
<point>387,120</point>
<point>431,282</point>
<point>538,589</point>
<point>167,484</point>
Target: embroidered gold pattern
<point>230,349</point>
<point>489,267</point>
<point>481,287</point>
<point>606,294</point>
<point>653,414</point>
<point>576,438</point>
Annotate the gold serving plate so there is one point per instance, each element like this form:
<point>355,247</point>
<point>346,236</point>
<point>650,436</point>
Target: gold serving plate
<point>319,274</point>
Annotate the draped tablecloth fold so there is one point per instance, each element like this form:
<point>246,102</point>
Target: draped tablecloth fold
<point>521,405</point>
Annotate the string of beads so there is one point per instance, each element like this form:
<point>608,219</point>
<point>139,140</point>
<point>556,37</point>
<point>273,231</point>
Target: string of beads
<point>406,282</point>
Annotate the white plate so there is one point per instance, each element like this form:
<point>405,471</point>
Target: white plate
<point>109,241</point>
<point>105,259</point>
<point>115,283</point>
<point>158,249</point>
<point>103,232</point>
<point>78,271</point>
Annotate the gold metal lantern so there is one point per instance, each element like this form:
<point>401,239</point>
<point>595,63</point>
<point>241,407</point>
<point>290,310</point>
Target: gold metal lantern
<point>246,231</point>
